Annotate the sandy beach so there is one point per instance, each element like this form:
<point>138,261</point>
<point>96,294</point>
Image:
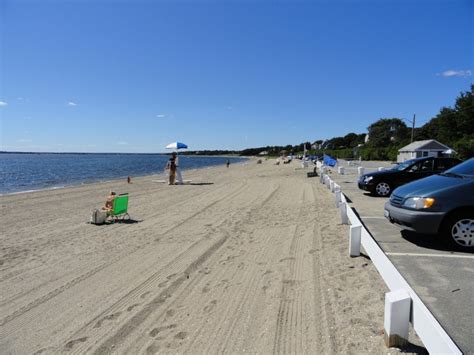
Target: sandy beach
<point>250,259</point>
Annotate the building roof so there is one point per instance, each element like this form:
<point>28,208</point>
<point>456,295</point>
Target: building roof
<point>429,144</point>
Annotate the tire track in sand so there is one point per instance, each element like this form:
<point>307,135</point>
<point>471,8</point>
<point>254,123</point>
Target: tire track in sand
<point>145,341</point>
<point>324,306</point>
<point>94,334</point>
<point>291,319</point>
<point>225,326</point>
<point>38,301</point>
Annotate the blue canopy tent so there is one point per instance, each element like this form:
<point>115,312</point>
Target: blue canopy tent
<point>329,161</point>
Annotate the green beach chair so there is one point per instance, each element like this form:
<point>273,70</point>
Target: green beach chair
<point>120,210</point>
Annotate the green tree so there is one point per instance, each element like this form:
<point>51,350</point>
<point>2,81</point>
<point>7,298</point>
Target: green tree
<point>387,132</point>
<point>454,126</point>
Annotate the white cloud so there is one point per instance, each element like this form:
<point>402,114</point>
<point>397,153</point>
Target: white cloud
<point>3,103</point>
<point>122,143</point>
<point>161,115</point>
<point>70,103</point>
<point>449,73</point>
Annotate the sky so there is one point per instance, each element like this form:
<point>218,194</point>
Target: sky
<point>133,76</point>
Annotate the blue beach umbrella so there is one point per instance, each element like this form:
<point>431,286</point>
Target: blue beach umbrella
<point>176,145</point>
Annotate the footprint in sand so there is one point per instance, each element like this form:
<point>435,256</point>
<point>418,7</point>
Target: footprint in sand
<point>210,306</point>
<point>109,317</point>
<point>181,335</point>
<point>69,345</point>
<point>130,308</point>
<point>170,312</point>
<point>162,284</point>
<point>145,294</point>
<point>155,331</point>
<point>152,349</point>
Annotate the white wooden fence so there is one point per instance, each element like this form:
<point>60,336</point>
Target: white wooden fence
<point>431,333</point>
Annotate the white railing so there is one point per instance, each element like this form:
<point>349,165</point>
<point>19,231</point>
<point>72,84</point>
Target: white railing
<point>431,333</point>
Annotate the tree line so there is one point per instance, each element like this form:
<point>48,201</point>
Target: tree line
<point>452,126</point>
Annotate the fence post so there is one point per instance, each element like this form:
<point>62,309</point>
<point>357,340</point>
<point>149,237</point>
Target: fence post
<point>340,170</point>
<point>354,240</point>
<point>338,197</point>
<point>343,211</point>
<point>360,169</point>
<point>328,183</point>
<point>396,318</point>
<point>331,186</point>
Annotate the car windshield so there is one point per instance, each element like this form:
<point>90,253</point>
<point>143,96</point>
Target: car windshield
<point>465,169</point>
<point>404,165</point>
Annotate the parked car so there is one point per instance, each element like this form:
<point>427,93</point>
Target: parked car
<point>442,203</point>
<point>382,183</point>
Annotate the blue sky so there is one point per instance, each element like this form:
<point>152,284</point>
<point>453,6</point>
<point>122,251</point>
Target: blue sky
<point>132,76</point>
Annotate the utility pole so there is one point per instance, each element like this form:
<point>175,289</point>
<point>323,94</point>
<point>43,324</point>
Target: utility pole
<point>413,128</point>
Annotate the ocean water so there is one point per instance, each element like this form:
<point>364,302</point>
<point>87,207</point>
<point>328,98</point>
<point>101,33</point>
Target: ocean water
<point>26,172</point>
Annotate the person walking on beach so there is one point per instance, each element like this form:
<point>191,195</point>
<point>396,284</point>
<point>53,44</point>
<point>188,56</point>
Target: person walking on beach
<point>171,167</point>
<point>228,162</point>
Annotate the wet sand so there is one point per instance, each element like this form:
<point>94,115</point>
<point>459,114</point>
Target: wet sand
<point>247,259</point>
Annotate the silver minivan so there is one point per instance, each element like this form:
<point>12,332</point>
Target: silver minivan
<point>439,204</point>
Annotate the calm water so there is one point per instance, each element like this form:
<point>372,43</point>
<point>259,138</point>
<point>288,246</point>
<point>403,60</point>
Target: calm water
<point>25,172</point>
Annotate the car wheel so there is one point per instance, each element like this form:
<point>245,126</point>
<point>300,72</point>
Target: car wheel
<point>383,189</point>
<point>459,229</point>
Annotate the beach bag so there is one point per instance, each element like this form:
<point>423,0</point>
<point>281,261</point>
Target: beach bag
<point>98,216</point>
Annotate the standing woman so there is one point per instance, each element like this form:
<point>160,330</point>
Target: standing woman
<point>179,178</point>
<point>171,167</point>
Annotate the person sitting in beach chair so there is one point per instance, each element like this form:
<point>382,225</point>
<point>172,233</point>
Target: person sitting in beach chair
<point>119,210</point>
<point>117,207</point>
<point>109,203</point>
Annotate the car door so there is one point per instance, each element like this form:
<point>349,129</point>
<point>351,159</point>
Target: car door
<point>419,170</point>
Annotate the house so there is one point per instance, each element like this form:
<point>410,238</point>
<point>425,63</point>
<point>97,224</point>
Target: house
<point>427,148</point>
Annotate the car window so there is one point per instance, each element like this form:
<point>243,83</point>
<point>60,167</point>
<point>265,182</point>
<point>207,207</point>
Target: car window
<point>443,164</point>
<point>404,165</point>
<point>427,165</point>
<point>414,168</point>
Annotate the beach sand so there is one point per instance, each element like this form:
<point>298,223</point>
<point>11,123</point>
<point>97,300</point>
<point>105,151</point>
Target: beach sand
<point>247,259</point>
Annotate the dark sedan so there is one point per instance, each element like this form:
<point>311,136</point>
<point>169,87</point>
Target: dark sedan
<point>442,203</point>
<point>382,183</point>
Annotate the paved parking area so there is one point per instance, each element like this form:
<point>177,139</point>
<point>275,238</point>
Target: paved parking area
<point>443,278</point>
